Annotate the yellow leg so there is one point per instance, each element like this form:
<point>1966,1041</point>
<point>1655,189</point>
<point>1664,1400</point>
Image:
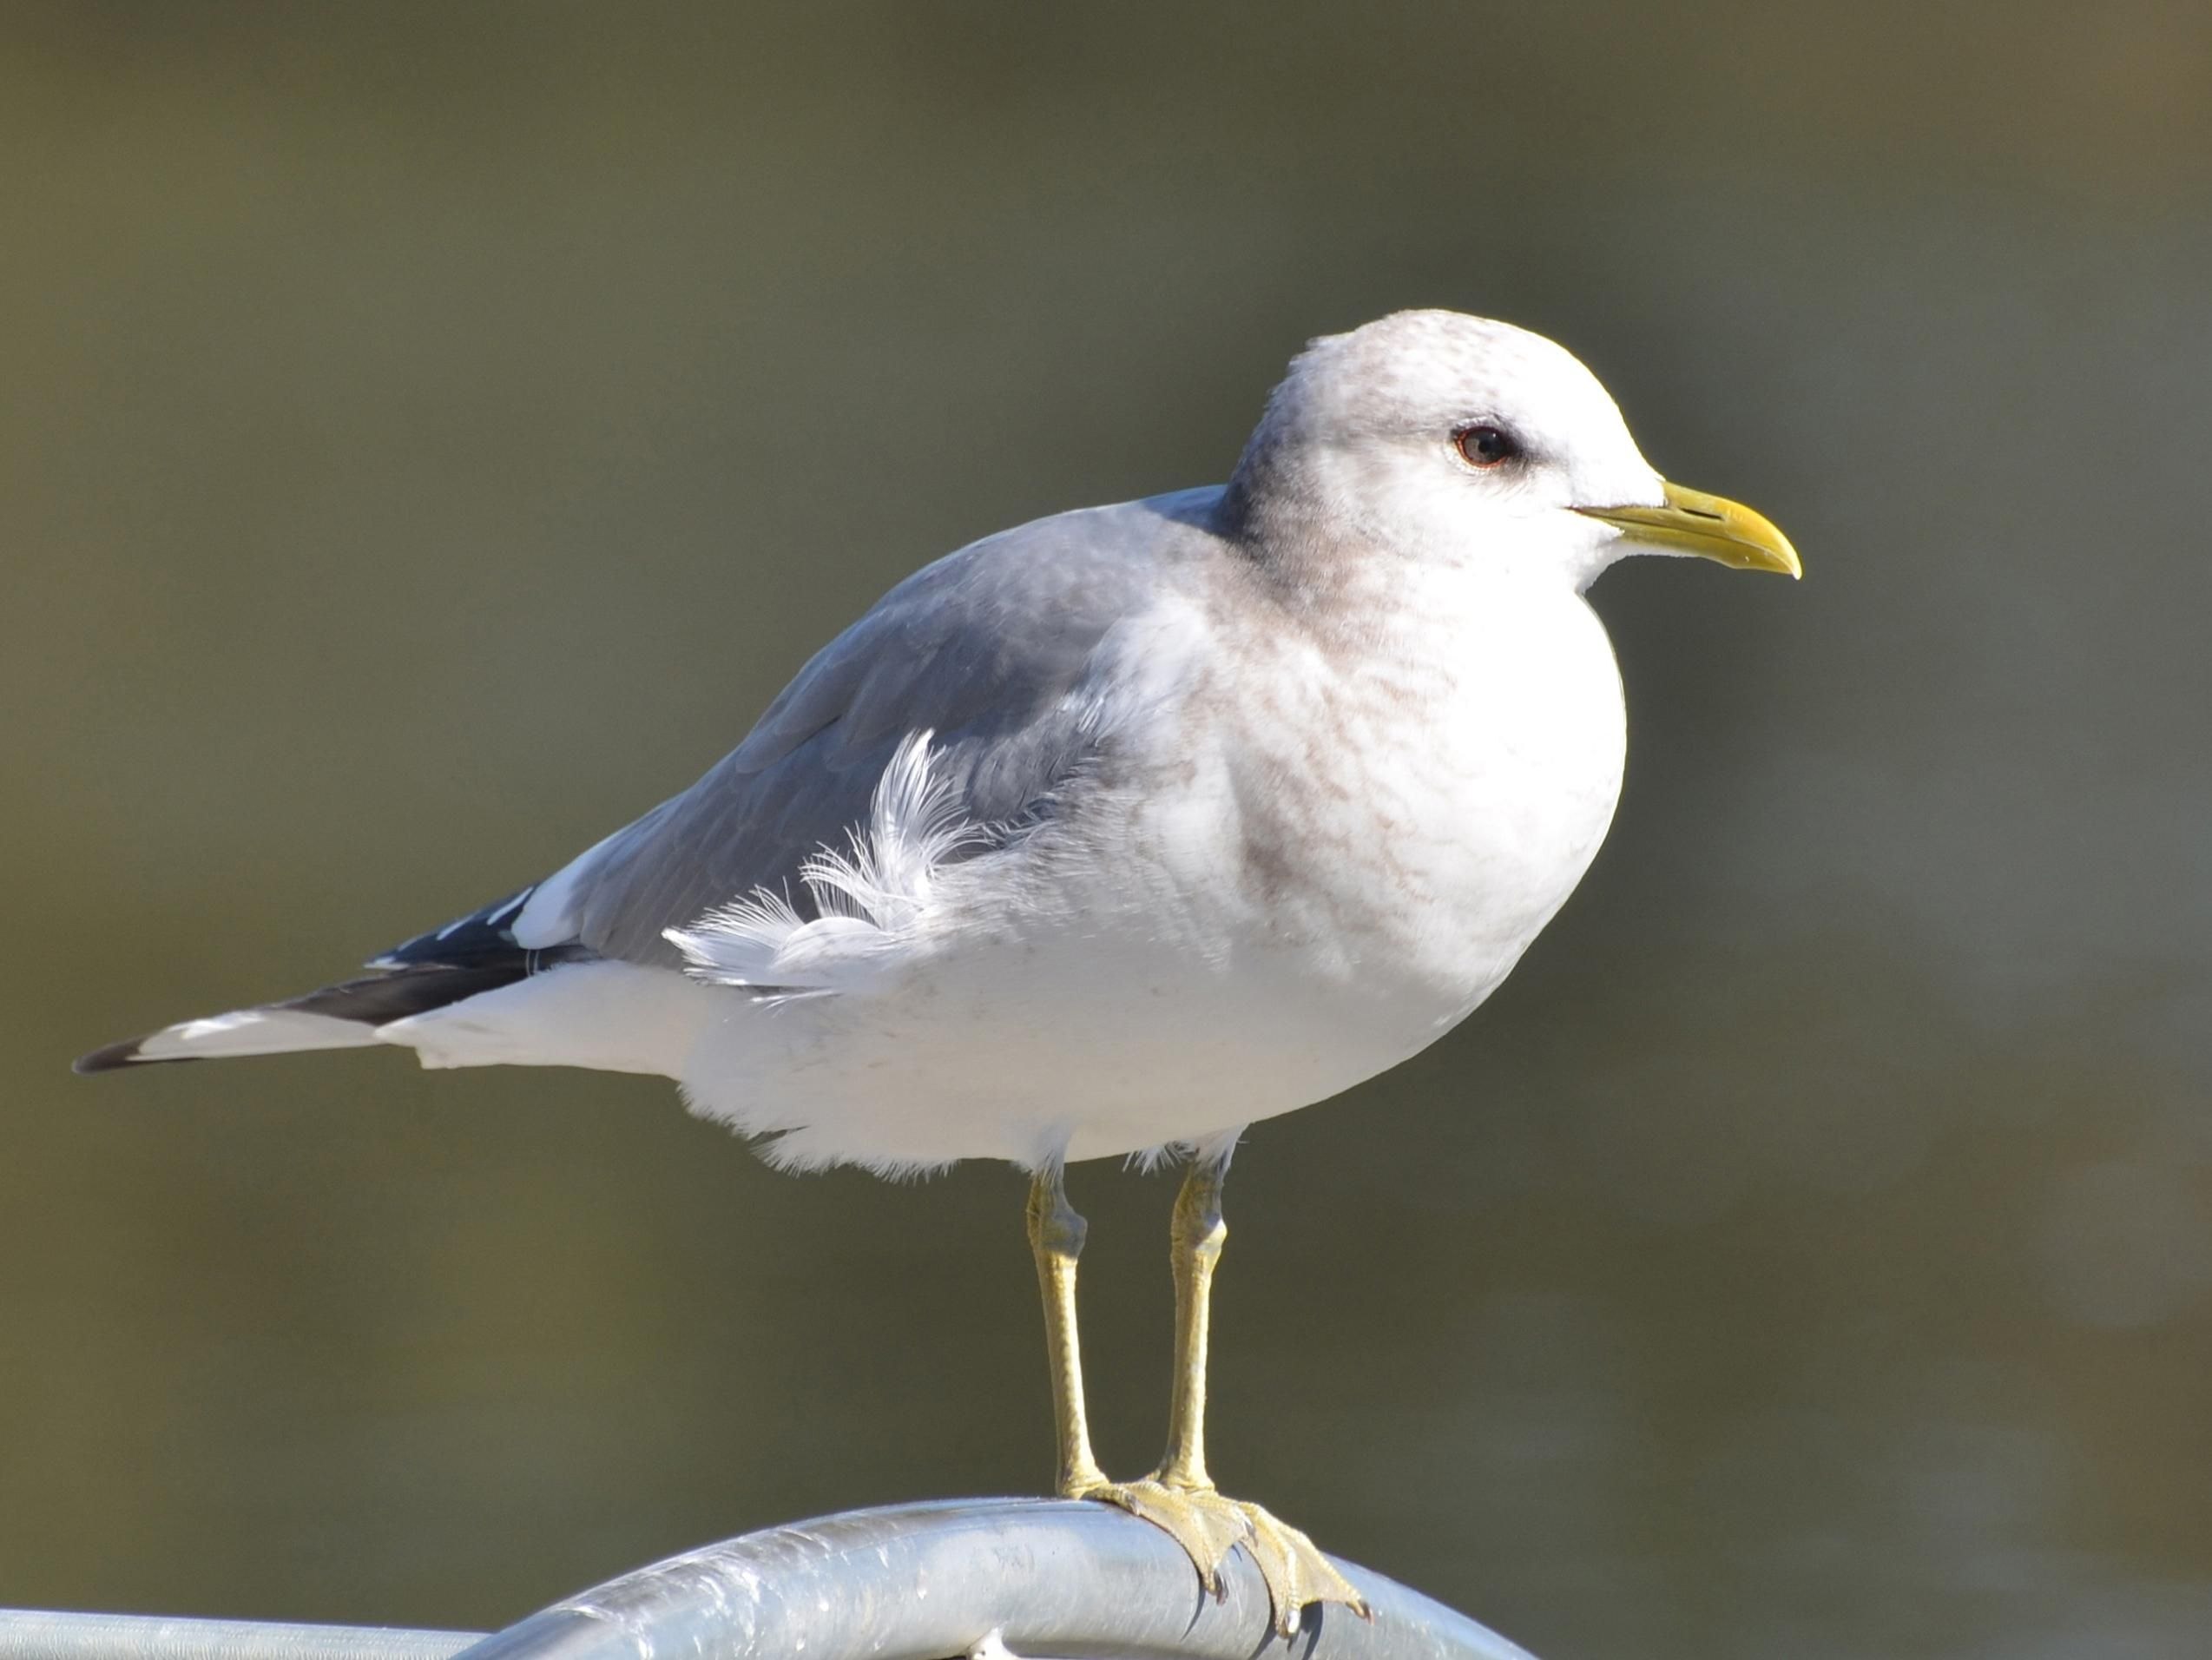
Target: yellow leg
<point>1056,1240</point>
<point>1179,1497</point>
<point>1195,1233</point>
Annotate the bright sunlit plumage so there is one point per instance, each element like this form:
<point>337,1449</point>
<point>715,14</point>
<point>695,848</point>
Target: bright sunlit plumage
<point>1119,831</point>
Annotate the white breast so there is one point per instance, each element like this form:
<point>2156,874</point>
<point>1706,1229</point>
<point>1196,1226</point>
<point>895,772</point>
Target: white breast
<point>1407,818</point>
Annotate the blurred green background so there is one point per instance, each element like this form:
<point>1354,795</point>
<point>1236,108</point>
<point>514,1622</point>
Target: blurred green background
<point>430,433</point>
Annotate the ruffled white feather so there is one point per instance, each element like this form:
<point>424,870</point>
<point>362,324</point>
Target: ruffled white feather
<point>876,901</point>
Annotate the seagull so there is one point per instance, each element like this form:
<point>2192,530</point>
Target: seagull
<point>1111,834</point>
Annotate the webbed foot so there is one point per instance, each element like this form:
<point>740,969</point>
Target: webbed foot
<point>1208,1525</point>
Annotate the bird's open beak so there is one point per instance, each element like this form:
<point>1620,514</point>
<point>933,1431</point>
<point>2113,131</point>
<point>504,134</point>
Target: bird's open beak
<point>1712,527</point>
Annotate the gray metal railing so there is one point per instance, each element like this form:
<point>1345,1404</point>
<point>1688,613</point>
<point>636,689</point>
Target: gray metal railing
<point>37,1634</point>
<point>1031,1577</point>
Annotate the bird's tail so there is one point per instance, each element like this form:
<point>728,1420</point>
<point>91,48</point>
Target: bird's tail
<point>345,1015</point>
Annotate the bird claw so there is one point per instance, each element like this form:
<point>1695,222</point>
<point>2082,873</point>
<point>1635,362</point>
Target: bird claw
<point>1208,1525</point>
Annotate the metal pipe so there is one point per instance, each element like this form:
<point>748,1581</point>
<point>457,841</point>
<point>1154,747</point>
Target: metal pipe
<point>919,1582</point>
<point>36,1634</point>
<point>989,1577</point>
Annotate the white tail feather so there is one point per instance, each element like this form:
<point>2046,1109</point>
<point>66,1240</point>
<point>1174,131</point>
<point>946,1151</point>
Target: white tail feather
<point>253,1031</point>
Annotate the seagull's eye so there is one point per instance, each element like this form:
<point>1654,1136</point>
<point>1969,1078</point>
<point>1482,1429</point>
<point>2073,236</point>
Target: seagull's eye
<point>1484,445</point>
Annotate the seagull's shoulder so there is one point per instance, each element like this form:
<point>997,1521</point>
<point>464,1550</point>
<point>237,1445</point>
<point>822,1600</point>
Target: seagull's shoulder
<point>980,637</point>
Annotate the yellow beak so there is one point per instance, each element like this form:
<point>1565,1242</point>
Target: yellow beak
<point>1712,527</point>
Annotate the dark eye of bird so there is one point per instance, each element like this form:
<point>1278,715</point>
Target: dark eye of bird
<point>1487,445</point>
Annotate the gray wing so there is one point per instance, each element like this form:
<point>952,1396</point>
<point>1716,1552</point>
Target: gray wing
<point>983,649</point>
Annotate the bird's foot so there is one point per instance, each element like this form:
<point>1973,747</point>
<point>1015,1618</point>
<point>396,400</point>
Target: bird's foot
<point>1209,1525</point>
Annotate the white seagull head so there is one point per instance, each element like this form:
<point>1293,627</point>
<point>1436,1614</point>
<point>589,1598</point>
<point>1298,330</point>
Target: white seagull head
<point>1463,440</point>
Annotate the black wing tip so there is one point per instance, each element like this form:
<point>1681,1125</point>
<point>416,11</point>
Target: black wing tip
<point>113,1058</point>
<point>486,932</point>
